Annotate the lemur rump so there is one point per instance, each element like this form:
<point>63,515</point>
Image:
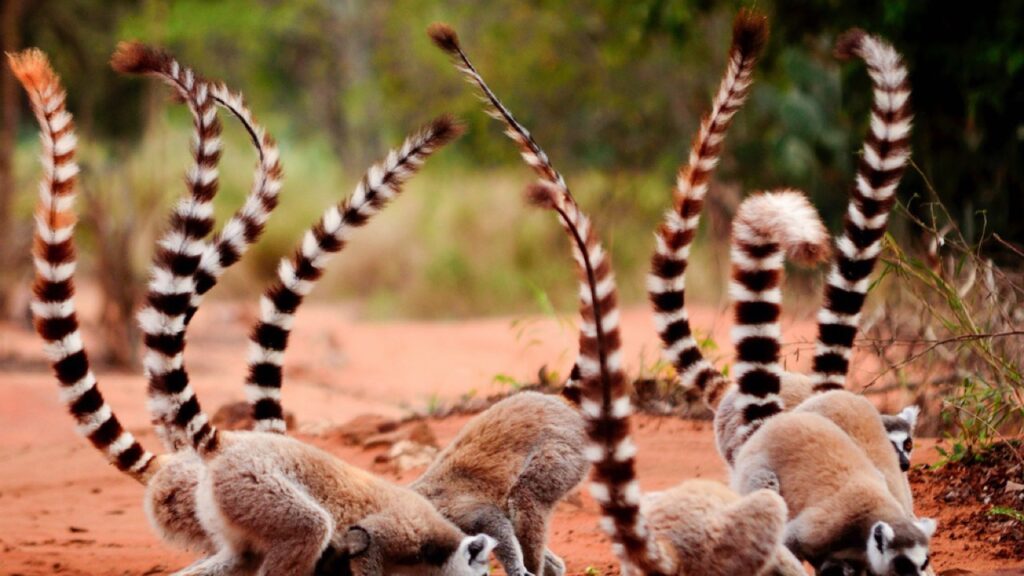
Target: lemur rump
<point>505,472</point>
<point>263,501</point>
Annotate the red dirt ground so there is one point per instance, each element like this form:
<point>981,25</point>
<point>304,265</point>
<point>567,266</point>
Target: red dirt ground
<point>63,511</point>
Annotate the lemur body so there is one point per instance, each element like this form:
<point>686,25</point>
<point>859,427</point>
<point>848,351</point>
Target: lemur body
<point>252,487</point>
<point>859,419</point>
<point>840,507</point>
<point>505,472</point>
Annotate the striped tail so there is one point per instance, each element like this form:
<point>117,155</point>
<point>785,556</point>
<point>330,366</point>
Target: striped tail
<point>53,304</point>
<point>297,275</point>
<point>247,224</point>
<point>666,283</point>
<point>768,228</point>
<point>885,156</point>
<point>176,413</point>
<point>445,37</point>
<point>604,392</point>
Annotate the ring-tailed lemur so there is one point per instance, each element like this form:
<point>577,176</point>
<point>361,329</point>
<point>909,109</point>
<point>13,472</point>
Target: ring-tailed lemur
<point>826,455</point>
<point>900,428</point>
<point>174,484</point>
<point>509,466</point>
<point>666,283</point>
<point>885,155</point>
<point>266,500</point>
<point>696,528</point>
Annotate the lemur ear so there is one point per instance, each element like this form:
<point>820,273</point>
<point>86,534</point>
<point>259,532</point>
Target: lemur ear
<point>910,414</point>
<point>927,525</point>
<point>882,536</point>
<point>357,540</point>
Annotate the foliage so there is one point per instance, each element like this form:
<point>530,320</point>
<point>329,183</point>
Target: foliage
<point>1011,513</point>
<point>952,325</point>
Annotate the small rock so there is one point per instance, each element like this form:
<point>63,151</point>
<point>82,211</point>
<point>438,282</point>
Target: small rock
<point>418,432</point>
<point>406,455</point>
<point>356,431</point>
<point>238,416</point>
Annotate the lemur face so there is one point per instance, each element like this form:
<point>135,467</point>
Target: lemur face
<point>470,558</point>
<point>900,428</point>
<point>903,553</point>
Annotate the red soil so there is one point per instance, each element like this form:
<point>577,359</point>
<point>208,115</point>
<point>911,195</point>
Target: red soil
<point>63,511</point>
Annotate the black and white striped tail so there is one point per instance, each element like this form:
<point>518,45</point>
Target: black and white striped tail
<point>297,275</point>
<point>885,156</point>
<point>666,283</point>
<point>768,228</point>
<point>53,305</point>
<point>445,37</point>
<point>247,224</point>
<point>173,404</point>
<point>604,392</point>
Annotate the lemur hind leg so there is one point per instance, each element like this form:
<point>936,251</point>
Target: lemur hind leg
<point>490,520</point>
<point>226,562</point>
<point>553,565</point>
<point>753,475</point>
<point>547,477</point>
<point>282,521</point>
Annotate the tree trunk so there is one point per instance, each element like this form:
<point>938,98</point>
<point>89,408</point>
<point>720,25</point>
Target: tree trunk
<point>11,39</point>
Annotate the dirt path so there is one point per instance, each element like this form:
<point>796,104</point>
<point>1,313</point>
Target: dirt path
<point>62,511</point>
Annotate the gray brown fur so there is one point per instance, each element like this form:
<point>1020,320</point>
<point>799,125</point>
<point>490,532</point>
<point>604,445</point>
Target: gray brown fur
<point>835,494</point>
<point>505,472</point>
<point>277,503</point>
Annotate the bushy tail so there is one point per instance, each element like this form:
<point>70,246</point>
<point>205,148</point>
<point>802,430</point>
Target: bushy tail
<point>768,228</point>
<point>604,391</point>
<point>53,304</point>
<point>247,224</point>
<point>173,404</point>
<point>297,275</point>
<point>666,283</point>
<point>445,37</point>
<point>885,156</point>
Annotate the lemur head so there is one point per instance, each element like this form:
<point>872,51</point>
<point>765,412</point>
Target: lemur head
<point>900,428</point>
<point>900,548</point>
<point>414,550</point>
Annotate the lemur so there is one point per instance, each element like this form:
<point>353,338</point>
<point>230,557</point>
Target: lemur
<point>821,456</point>
<point>900,428</point>
<point>696,528</point>
<point>845,295</point>
<point>829,457</point>
<point>268,502</point>
<point>519,487</point>
<point>174,518</point>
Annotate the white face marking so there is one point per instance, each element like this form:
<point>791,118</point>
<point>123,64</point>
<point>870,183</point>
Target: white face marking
<point>472,558</point>
<point>918,554</point>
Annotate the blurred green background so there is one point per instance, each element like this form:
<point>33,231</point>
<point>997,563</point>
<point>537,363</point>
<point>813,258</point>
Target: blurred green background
<point>612,90</point>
